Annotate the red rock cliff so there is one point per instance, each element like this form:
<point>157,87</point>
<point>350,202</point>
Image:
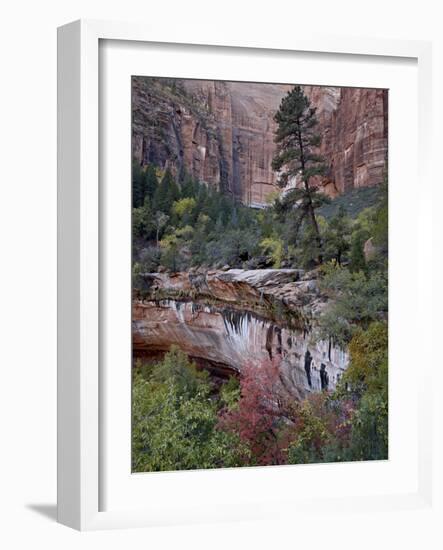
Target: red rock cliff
<point>223,133</point>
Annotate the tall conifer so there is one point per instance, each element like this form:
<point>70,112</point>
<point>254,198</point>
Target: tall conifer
<point>296,157</point>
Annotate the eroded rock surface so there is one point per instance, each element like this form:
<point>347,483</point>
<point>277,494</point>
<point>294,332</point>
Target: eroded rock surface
<point>237,316</point>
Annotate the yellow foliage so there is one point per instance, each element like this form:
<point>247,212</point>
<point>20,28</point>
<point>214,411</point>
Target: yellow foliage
<point>369,358</point>
<point>274,247</point>
<point>183,206</point>
<point>272,197</point>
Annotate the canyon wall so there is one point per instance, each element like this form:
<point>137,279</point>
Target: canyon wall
<point>222,133</point>
<point>230,318</point>
<point>353,124</point>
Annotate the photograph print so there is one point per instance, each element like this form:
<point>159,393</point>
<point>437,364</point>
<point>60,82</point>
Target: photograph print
<point>259,274</point>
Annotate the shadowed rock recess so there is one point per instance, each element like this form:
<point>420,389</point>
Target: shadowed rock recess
<point>228,318</point>
<point>222,133</point>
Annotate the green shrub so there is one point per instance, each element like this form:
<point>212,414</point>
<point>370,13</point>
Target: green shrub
<point>174,420</point>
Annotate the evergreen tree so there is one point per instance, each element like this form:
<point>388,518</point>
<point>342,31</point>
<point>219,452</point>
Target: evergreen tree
<point>166,194</point>
<point>296,157</point>
<point>234,218</point>
<point>138,184</point>
<point>202,197</point>
<point>382,219</point>
<point>357,255</point>
<point>189,187</point>
<point>151,181</point>
<point>144,183</point>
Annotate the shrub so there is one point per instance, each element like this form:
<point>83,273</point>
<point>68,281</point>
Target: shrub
<point>150,259</point>
<point>274,247</point>
<point>174,420</point>
<point>355,301</point>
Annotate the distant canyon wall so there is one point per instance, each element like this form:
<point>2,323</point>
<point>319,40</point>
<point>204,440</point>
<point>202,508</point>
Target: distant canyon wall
<point>223,133</point>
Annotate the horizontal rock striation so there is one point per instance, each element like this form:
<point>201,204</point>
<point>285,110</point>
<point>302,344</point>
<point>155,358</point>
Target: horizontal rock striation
<point>237,316</point>
<point>222,133</point>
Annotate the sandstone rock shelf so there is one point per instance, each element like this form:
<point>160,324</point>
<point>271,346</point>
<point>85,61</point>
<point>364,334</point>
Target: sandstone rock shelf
<point>201,314</point>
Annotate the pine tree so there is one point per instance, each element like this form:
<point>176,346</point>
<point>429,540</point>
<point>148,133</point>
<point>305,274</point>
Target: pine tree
<point>357,255</point>
<point>144,183</point>
<point>166,193</point>
<point>151,181</point>
<point>189,187</point>
<point>296,157</point>
<point>138,183</point>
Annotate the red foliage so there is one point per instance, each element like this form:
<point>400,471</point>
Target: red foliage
<point>268,420</point>
<point>258,411</point>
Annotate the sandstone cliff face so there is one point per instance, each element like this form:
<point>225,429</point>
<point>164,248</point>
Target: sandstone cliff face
<point>353,124</point>
<point>234,317</point>
<point>223,133</point>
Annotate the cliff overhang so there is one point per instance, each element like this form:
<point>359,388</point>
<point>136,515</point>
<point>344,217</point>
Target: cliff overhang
<point>237,316</point>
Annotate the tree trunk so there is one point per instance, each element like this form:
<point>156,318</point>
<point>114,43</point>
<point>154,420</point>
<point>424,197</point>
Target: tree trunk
<point>308,192</point>
<point>314,222</point>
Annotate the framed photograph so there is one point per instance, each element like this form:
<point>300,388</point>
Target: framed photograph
<point>235,223</point>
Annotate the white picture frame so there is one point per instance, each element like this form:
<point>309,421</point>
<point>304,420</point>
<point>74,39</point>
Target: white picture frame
<point>79,259</point>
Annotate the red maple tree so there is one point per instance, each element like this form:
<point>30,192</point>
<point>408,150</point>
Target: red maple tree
<point>258,412</point>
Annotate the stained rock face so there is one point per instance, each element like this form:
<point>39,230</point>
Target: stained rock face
<point>354,131</point>
<point>238,316</point>
<point>222,133</point>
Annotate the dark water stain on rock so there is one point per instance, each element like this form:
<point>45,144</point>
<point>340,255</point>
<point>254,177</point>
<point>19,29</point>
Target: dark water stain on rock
<point>308,361</point>
<point>279,341</point>
<point>269,340</point>
<point>324,377</point>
